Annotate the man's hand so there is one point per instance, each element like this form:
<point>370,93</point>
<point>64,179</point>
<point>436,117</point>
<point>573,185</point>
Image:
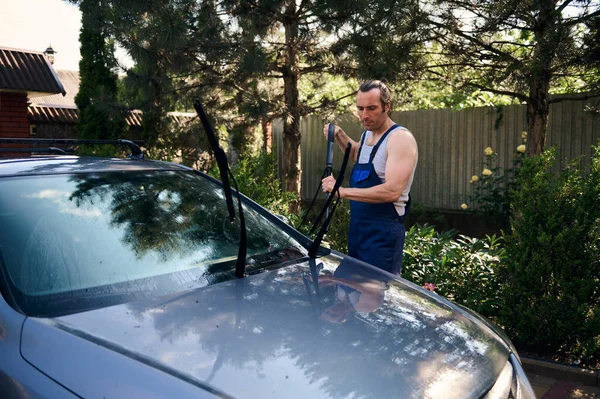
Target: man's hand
<point>336,131</point>
<point>342,139</point>
<point>327,185</point>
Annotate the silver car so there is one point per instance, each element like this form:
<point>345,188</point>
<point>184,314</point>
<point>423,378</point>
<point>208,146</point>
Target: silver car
<point>117,281</point>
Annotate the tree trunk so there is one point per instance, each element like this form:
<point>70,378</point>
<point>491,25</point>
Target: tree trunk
<point>548,33</point>
<point>537,117</point>
<point>267,131</point>
<point>292,172</point>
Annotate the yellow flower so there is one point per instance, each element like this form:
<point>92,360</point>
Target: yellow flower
<point>523,135</point>
<point>486,172</point>
<point>488,151</point>
<point>521,148</point>
<point>464,206</point>
<point>474,178</point>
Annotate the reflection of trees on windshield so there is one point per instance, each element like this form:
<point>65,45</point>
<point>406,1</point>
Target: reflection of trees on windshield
<point>167,212</point>
<point>245,325</point>
<point>154,214</point>
<point>78,236</point>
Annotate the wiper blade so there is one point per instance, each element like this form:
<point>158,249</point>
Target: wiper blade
<point>225,173</point>
<point>329,159</point>
<point>319,237</point>
<point>220,157</point>
<point>326,172</point>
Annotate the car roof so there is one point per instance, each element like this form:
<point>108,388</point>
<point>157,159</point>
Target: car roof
<point>51,165</point>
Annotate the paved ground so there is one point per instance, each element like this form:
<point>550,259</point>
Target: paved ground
<point>550,388</point>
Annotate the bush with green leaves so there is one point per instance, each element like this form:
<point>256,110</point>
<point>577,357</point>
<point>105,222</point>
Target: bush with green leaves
<point>491,196</point>
<point>551,285</point>
<point>461,268</point>
<point>337,235</point>
<point>257,177</point>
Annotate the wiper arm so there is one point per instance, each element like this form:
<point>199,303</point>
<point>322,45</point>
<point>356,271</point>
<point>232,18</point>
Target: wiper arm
<point>312,253</point>
<point>225,172</point>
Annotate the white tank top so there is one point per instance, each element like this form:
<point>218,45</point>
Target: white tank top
<point>379,165</point>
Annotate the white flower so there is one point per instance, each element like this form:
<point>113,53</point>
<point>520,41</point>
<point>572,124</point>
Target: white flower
<point>486,172</point>
<point>488,151</point>
<point>464,206</point>
<point>523,135</point>
<point>474,178</point>
<point>521,148</point>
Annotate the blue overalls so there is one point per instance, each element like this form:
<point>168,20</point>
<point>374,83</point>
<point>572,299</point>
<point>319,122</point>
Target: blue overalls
<point>376,233</point>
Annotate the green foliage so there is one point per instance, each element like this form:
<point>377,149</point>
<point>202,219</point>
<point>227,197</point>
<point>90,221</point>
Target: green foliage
<point>551,288</point>
<point>592,52</point>
<point>441,86</point>
<point>337,235</point>
<point>492,190</point>
<point>526,50</point>
<point>463,269</point>
<point>327,94</point>
<point>263,60</point>
<point>257,178</point>
<point>100,116</point>
<point>103,151</point>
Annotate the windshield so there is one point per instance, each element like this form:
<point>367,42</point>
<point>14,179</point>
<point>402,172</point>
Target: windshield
<point>80,241</point>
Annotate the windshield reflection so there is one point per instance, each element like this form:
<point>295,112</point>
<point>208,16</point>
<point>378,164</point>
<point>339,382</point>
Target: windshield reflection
<point>167,212</point>
<point>90,235</point>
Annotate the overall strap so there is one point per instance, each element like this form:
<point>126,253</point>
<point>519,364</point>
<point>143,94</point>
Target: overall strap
<point>362,141</point>
<point>394,126</point>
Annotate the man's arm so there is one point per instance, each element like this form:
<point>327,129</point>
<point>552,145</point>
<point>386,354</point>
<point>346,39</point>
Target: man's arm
<point>401,158</point>
<point>342,139</point>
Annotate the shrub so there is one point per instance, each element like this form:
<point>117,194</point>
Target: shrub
<point>492,190</point>
<point>257,177</point>
<point>551,287</point>
<point>337,235</point>
<point>462,269</point>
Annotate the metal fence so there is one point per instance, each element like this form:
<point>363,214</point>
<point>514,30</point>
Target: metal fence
<point>451,144</point>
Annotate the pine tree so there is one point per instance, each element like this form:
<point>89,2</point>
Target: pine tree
<point>525,49</point>
<point>246,60</point>
<point>99,115</point>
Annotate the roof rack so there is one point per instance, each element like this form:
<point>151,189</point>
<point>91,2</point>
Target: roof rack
<point>134,145</point>
<point>52,150</point>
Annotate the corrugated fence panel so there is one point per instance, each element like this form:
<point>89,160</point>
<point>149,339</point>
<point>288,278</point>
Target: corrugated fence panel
<point>451,145</point>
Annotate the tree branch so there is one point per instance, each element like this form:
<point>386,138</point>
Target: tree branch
<point>478,42</point>
<point>311,69</point>
<point>583,97</point>
<point>497,91</point>
<point>563,6</point>
<point>327,103</point>
<point>581,19</point>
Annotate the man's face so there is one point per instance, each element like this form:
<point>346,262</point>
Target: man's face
<point>370,110</point>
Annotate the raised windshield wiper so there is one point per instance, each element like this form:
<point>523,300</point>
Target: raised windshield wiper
<point>312,253</point>
<point>225,173</point>
<point>329,159</point>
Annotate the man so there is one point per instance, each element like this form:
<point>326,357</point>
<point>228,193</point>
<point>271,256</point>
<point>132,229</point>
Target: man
<point>385,162</point>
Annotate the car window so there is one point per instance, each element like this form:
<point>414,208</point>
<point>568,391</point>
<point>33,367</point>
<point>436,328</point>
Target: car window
<point>67,240</point>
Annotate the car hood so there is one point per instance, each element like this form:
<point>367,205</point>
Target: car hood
<point>353,331</point>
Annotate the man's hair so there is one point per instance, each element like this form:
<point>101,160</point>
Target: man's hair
<point>386,96</point>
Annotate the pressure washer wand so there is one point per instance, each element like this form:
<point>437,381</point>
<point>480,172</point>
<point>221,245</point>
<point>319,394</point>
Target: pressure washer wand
<point>329,160</point>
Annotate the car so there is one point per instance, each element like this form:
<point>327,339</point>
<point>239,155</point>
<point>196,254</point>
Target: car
<point>119,279</point>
